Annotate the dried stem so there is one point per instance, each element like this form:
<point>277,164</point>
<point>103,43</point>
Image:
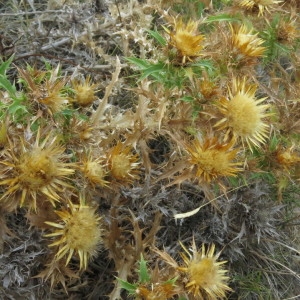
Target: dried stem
<point>97,116</point>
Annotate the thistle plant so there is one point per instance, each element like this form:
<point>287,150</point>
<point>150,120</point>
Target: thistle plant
<point>183,111</point>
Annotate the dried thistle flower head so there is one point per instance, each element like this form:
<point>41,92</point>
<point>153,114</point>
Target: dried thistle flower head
<point>245,44</point>
<point>45,89</point>
<point>78,232</point>
<point>211,159</point>
<point>36,170</point>
<point>261,4</point>
<point>205,276</point>
<point>242,114</point>
<point>186,40</point>
<point>208,89</point>
<point>123,164</point>
<point>94,171</point>
<point>287,157</point>
<point>287,31</point>
<point>84,92</point>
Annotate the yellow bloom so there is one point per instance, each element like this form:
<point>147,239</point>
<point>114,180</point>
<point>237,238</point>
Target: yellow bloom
<point>261,4</point>
<point>36,170</point>
<point>206,278</point>
<point>79,232</point>
<point>245,42</point>
<point>242,114</point>
<point>186,40</point>
<point>212,159</point>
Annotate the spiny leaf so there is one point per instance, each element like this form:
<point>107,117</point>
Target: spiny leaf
<point>8,86</point>
<point>221,18</point>
<point>143,272</point>
<point>5,66</point>
<point>129,287</point>
<point>141,63</point>
<point>159,38</point>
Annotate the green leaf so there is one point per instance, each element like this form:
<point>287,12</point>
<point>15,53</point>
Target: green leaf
<point>129,287</point>
<point>143,272</point>
<point>171,281</point>
<point>221,18</point>
<point>5,65</point>
<point>17,108</point>
<point>187,99</point>
<point>6,85</point>
<point>207,64</point>
<point>154,70</point>
<point>141,63</point>
<point>159,38</point>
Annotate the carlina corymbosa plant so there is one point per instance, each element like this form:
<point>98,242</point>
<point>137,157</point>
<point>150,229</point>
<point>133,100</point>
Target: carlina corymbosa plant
<point>77,232</point>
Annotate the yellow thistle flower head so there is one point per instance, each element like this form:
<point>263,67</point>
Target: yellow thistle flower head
<point>211,159</point>
<point>186,40</point>
<point>243,115</point>
<point>84,92</point>
<point>78,232</point>
<point>36,170</point>
<point>123,164</point>
<point>245,43</point>
<point>261,4</point>
<point>205,276</point>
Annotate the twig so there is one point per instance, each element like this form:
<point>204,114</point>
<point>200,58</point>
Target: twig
<point>28,13</point>
<point>45,48</point>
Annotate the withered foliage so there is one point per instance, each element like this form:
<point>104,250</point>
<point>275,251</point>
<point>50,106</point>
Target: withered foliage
<point>149,149</point>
